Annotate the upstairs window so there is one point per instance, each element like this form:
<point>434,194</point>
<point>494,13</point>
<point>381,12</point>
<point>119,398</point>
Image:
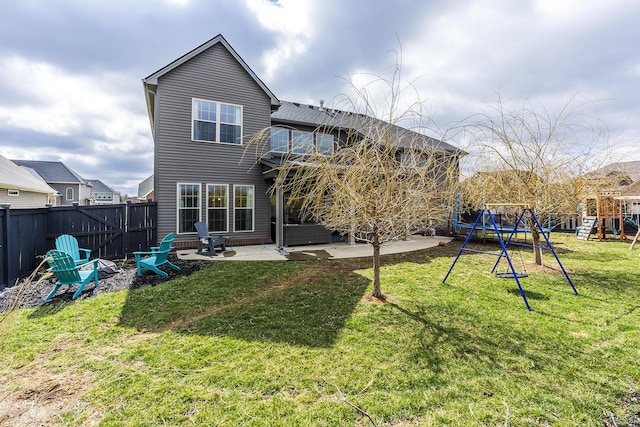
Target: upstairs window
<point>301,142</point>
<point>69,193</point>
<point>216,122</point>
<point>279,140</point>
<point>324,144</point>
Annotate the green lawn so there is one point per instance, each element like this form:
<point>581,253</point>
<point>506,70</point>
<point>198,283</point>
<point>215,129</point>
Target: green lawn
<point>300,344</point>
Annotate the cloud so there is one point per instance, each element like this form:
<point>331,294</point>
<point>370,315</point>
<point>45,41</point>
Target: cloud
<point>91,118</point>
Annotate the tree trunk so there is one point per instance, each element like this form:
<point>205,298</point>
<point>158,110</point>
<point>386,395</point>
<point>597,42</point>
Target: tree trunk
<point>537,250</point>
<point>376,267</point>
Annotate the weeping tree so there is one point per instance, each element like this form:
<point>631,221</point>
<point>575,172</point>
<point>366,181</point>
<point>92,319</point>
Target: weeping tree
<point>534,156</point>
<point>382,180</point>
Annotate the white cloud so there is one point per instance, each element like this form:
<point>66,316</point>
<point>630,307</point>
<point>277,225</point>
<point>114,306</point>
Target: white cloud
<point>52,101</point>
<point>291,20</point>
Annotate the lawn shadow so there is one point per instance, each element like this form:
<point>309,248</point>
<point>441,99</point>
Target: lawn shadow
<point>464,342</point>
<point>295,302</point>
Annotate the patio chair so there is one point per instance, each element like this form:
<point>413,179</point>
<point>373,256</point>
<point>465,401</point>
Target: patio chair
<point>208,241</point>
<point>157,258</point>
<point>69,244</point>
<point>68,273</point>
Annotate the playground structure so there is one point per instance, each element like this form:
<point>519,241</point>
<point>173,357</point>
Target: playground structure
<point>614,211</point>
<point>504,243</point>
<point>610,212</point>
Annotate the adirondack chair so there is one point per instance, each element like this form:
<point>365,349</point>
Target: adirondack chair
<point>68,273</point>
<point>208,241</point>
<point>69,244</point>
<point>158,257</point>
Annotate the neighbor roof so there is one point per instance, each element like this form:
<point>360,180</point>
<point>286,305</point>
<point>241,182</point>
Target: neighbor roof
<point>15,177</point>
<point>145,188</point>
<point>632,169</point>
<point>52,172</point>
<point>100,187</point>
<point>295,114</point>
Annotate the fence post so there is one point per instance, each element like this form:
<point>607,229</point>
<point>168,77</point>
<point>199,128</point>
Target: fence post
<point>125,238</point>
<point>6,247</point>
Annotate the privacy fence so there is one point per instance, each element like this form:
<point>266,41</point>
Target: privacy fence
<point>110,231</point>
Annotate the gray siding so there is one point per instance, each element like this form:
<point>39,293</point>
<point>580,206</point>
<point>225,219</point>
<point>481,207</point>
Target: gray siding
<point>213,75</point>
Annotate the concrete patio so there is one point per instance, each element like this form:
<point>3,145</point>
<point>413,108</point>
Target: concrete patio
<point>328,251</point>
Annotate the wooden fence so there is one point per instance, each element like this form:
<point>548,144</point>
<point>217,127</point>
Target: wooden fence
<point>110,231</point>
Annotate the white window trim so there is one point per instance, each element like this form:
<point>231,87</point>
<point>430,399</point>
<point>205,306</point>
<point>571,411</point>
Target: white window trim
<point>226,209</point>
<point>217,122</point>
<point>178,206</point>
<point>253,209</point>
<point>13,193</point>
<point>66,193</point>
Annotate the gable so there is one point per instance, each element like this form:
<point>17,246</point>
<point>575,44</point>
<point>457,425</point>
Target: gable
<point>189,60</point>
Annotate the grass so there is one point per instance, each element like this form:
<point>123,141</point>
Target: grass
<point>299,344</point>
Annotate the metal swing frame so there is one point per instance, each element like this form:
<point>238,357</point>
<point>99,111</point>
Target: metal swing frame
<point>505,243</point>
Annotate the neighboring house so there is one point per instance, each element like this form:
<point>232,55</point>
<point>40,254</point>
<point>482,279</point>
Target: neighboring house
<point>21,189</point>
<point>71,186</point>
<point>102,194</point>
<point>615,198</point>
<point>145,190</point>
<point>203,108</point>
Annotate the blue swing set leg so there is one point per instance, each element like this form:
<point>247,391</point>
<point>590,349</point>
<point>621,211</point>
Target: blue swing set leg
<point>503,246</point>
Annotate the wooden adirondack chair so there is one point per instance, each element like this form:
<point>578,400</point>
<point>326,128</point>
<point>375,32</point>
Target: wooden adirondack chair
<point>158,257</point>
<point>69,244</point>
<point>208,241</point>
<point>68,273</point>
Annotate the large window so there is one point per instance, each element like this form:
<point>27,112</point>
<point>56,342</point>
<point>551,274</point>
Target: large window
<point>216,122</point>
<point>324,144</point>
<point>279,140</point>
<point>301,142</point>
<point>188,207</point>
<point>217,207</point>
<point>243,207</point>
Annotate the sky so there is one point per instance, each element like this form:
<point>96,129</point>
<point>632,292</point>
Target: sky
<point>71,70</point>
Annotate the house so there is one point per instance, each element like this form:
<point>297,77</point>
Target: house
<point>21,189</point>
<point>203,109</point>
<point>71,186</point>
<point>102,194</point>
<point>145,190</point>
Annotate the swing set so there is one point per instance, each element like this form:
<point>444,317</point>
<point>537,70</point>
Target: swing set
<point>504,243</point>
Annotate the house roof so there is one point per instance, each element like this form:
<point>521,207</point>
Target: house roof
<point>100,187</point>
<point>52,172</point>
<point>15,177</point>
<point>145,188</point>
<point>631,169</point>
<point>151,81</point>
<point>294,114</point>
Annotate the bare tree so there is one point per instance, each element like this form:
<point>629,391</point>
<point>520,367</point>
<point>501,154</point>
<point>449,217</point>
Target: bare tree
<point>533,156</point>
<point>382,180</point>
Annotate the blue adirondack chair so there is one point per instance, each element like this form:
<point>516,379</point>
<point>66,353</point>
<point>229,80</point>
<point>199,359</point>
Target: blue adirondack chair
<point>69,244</point>
<point>157,258</point>
<point>68,273</point>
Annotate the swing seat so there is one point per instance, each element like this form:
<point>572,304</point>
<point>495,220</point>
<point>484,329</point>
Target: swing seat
<point>509,275</point>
